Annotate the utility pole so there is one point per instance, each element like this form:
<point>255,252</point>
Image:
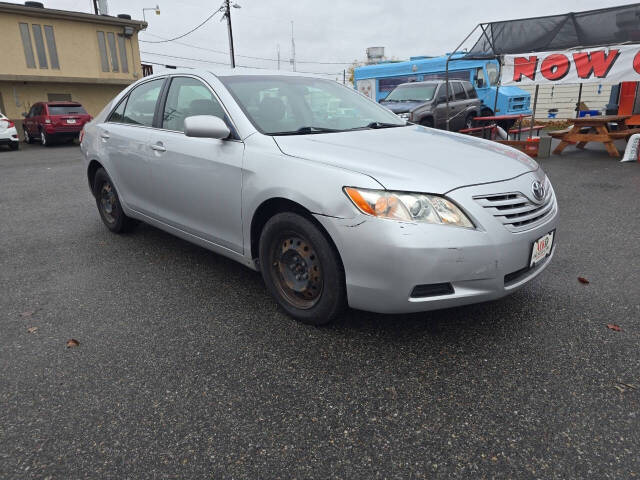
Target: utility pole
<point>293,49</point>
<point>95,6</point>
<point>227,13</point>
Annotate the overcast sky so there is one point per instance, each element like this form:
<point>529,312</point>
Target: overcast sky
<point>324,30</point>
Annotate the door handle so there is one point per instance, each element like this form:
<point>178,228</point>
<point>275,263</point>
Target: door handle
<point>104,135</point>
<point>158,147</point>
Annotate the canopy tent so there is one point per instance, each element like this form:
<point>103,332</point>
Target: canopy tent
<point>575,30</point>
<point>593,28</point>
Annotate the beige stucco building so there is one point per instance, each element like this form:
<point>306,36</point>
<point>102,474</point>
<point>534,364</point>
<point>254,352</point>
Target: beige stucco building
<point>50,55</point>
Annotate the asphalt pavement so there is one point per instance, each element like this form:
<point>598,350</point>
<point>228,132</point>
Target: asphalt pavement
<point>186,368</point>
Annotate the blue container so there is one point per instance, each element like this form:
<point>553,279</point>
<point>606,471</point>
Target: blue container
<point>588,113</point>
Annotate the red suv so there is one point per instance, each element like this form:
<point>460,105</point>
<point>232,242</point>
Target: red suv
<point>48,121</point>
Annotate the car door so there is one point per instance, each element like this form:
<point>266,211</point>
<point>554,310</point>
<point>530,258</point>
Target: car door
<point>30,121</point>
<point>124,138</point>
<point>26,123</point>
<point>198,181</point>
<point>440,111</point>
<point>457,106</point>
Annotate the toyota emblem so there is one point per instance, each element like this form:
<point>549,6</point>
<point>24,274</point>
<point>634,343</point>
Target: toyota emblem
<point>538,190</point>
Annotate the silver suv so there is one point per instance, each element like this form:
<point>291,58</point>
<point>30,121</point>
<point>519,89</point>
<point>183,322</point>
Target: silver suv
<point>333,198</point>
<point>425,103</point>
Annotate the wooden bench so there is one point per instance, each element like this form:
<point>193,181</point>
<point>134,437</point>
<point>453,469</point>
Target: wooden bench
<point>623,134</point>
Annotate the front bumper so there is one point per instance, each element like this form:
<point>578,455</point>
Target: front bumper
<point>385,260</point>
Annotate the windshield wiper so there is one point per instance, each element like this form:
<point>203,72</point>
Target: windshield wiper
<point>305,130</point>
<point>382,125</point>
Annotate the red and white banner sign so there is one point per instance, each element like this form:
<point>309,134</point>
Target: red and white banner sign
<point>613,64</point>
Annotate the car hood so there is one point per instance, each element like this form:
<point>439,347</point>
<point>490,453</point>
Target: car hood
<point>401,107</point>
<point>412,158</point>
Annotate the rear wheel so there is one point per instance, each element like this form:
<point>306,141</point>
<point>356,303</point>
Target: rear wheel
<point>108,204</point>
<point>468,123</point>
<point>14,145</point>
<point>301,269</point>
<point>45,139</point>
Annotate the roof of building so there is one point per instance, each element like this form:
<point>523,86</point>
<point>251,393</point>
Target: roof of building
<point>20,9</point>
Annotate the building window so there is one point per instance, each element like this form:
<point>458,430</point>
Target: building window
<point>51,46</point>
<point>122,46</point>
<point>102,45</point>
<point>39,41</point>
<point>59,97</point>
<point>111,39</point>
<point>26,44</point>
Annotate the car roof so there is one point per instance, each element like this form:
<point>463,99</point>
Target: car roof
<point>63,103</point>
<point>232,72</point>
<point>433,81</point>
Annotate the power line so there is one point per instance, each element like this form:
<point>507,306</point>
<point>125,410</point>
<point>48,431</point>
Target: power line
<point>225,63</point>
<point>222,52</point>
<point>185,34</point>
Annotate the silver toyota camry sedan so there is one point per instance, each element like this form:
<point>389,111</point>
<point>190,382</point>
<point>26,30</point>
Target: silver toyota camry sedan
<point>333,198</point>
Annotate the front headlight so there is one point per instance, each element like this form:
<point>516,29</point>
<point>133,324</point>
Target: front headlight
<point>404,116</point>
<point>407,207</point>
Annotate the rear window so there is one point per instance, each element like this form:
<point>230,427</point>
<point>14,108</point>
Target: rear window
<point>67,110</point>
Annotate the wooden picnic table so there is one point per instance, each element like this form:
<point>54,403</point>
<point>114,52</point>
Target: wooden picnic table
<point>593,129</point>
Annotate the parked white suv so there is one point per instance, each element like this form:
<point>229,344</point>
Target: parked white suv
<point>8,133</point>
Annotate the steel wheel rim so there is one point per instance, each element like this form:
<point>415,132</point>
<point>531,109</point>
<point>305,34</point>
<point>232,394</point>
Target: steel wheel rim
<point>43,138</point>
<point>108,202</point>
<point>26,136</point>
<point>296,270</point>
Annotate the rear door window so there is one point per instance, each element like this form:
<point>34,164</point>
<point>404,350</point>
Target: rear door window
<point>458,91</point>
<point>117,115</point>
<point>141,105</point>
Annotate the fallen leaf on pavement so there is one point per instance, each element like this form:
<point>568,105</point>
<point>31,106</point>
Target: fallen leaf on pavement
<point>32,329</point>
<point>613,327</point>
<point>583,280</point>
<point>72,343</point>
<point>27,314</point>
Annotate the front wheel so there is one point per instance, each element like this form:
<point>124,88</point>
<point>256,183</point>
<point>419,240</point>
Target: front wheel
<point>427,122</point>
<point>302,269</point>
<point>108,204</point>
<point>27,137</point>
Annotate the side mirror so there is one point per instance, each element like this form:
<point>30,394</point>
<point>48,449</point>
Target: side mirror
<point>206,126</point>
<point>480,83</point>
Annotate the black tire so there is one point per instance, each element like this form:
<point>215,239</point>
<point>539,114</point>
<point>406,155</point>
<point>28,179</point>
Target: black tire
<point>27,137</point>
<point>108,204</point>
<point>45,139</point>
<point>468,122</point>
<point>14,145</point>
<point>292,246</point>
<point>427,122</point>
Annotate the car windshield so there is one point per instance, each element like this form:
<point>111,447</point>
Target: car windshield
<point>419,92</point>
<point>67,110</point>
<point>288,105</point>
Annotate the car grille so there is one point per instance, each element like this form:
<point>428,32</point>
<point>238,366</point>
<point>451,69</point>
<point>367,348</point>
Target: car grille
<point>516,212</point>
